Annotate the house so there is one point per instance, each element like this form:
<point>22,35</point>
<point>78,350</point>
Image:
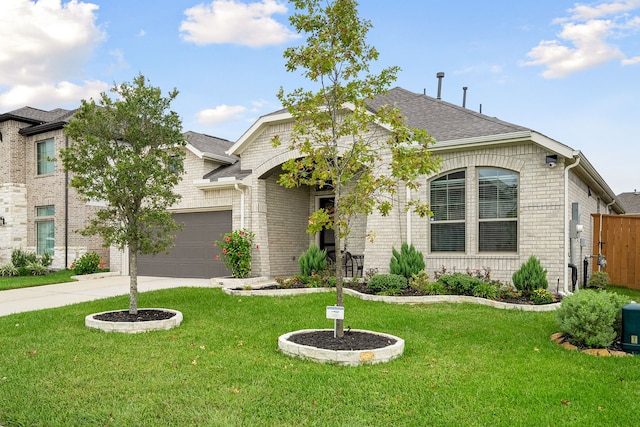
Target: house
<point>38,210</point>
<point>504,193</point>
<point>631,202</point>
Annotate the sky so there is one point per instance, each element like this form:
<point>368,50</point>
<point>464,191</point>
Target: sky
<point>569,70</point>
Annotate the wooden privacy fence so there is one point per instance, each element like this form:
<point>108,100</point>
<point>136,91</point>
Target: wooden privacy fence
<point>619,238</point>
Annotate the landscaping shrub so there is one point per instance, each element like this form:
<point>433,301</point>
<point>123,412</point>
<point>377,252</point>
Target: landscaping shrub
<point>36,269</point>
<point>8,270</point>
<point>459,283</point>
<point>530,276</point>
<point>387,284</point>
<point>313,261</point>
<point>599,280</point>
<point>88,263</point>
<point>486,290</point>
<point>541,296</point>
<point>407,262</point>
<point>236,249</point>
<point>590,318</point>
<point>20,258</point>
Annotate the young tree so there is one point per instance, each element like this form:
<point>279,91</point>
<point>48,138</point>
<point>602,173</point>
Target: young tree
<point>359,154</point>
<point>127,152</point>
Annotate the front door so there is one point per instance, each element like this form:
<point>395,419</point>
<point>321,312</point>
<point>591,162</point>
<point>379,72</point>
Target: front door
<point>327,238</point>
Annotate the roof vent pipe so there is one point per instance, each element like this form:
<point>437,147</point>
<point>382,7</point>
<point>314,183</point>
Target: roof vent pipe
<point>464,97</point>
<point>440,76</point>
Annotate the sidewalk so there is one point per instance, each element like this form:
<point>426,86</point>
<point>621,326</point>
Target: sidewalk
<point>50,296</point>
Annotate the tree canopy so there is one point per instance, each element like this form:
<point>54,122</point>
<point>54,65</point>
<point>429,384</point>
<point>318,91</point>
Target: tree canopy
<point>127,152</point>
<point>359,154</point>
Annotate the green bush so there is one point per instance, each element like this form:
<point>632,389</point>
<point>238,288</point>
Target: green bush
<point>387,284</point>
<point>591,318</point>
<point>407,262</point>
<point>20,258</point>
<point>8,270</point>
<point>88,263</point>
<point>36,269</point>
<point>313,261</point>
<point>486,290</point>
<point>541,296</point>
<point>459,283</point>
<point>599,280</point>
<point>46,259</point>
<point>530,276</point>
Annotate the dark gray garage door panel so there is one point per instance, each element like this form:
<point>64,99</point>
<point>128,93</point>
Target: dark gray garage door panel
<point>193,254</point>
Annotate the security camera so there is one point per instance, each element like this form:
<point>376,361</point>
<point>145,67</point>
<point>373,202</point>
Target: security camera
<point>552,160</point>
<point>551,164</point>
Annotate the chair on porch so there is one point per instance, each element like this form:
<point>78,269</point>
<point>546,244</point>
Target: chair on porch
<point>352,265</point>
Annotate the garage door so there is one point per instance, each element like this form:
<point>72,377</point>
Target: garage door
<point>193,254</point>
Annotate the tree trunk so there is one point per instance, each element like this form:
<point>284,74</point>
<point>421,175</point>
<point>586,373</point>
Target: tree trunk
<point>133,281</point>
<point>339,330</point>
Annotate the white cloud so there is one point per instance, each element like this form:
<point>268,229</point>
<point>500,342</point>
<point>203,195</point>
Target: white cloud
<point>221,114</point>
<point>47,95</point>
<point>44,45</point>
<point>230,21</point>
<point>586,41</point>
<point>583,12</point>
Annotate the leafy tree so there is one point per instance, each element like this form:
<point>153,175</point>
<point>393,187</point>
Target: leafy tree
<point>128,153</point>
<point>342,143</point>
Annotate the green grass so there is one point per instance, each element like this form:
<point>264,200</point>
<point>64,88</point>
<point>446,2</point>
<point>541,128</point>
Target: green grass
<point>60,276</point>
<point>463,364</point>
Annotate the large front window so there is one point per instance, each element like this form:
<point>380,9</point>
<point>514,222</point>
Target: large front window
<point>46,153</point>
<point>45,230</point>
<point>448,206</point>
<point>498,210</point>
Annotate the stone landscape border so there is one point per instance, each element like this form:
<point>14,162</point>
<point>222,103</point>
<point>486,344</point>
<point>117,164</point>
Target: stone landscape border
<point>341,357</point>
<point>427,299</point>
<point>134,327</point>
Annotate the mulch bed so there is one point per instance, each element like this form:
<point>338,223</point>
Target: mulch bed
<point>352,340</point>
<point>145,315</point>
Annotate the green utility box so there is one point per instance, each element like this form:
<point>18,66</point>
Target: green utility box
<point>631,327</point>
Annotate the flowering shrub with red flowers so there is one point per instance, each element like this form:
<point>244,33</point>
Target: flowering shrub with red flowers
<point>88,263</point>
<point>235,248</point>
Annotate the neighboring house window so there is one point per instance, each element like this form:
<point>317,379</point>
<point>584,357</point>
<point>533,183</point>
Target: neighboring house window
<point>46,153</point>
<point>498,210</point>
<point>45,230</point>
<point>448,205</point>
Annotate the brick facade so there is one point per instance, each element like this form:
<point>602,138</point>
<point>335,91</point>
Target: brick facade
<point>22,190</point>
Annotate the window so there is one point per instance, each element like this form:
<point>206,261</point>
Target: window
<point>45,230</point>
<point>448,206</point>
<point>46,153</point>
<point>497,210</point>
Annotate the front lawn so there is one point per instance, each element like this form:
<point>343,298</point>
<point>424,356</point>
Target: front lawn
<point>464,364</point>
<point>60,276</point>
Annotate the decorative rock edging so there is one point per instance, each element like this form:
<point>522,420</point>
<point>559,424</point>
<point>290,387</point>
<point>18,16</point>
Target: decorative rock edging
<point>560,339</point>
<point>95,275</point>
<point>427,299</point>
<point>134,327</point>
<point>341,357</point>
<point>236,282</point>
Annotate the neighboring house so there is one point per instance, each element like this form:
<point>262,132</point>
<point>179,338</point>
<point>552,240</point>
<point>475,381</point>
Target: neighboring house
<point>38,211</point>
<point>631,202</point>
<point>504,193</point>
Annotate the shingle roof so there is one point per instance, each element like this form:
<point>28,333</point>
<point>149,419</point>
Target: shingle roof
<point>630,201</point>
<point>442,120</point>
<point>209,144</point>
<point>34,114</point>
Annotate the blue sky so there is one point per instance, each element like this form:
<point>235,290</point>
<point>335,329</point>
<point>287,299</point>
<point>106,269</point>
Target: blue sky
<point>569,70</point>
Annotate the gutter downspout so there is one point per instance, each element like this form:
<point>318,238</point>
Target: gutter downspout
<point>409,230</point>
<point>237,187</point>
<point>565,285</point>
<point>613,202</point>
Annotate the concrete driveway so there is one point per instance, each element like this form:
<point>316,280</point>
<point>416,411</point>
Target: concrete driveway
<point>86,289</point>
